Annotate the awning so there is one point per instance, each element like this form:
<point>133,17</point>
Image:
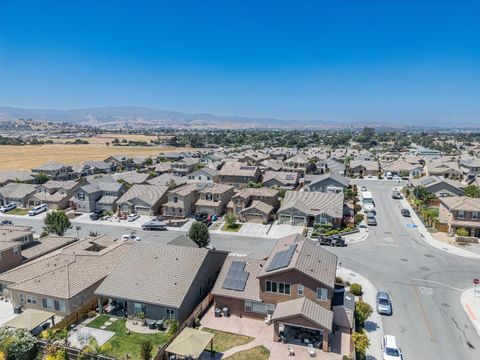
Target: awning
<point>190,342</point>
<point>29,319</point>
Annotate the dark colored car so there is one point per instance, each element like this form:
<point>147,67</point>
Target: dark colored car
<point>333,240</point>
<point>97,214</point>
<point>6,222</point>
<point>405,212</point>
<point>201,217</point>
<point>154,224</point>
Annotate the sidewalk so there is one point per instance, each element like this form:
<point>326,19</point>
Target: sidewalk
<point>471,305</point>
<point>428,238</point>
<point>373,326</point>
<point>357,237</point>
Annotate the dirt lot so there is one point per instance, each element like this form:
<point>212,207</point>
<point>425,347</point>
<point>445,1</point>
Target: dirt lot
<point>26,157</point>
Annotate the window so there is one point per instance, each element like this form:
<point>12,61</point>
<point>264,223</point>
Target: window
<point>300,289</point>
<point>170,314</point>
<point>16,251</point>
<point>175,199</point>
<point>277,287</point>
<point>59,305</point>
<point>268,286</point>
<point>322,294</point>
<point>48,303</point>
<point>81,196</point>
<point>21,298</point>
<point>461,214</point>
<point>475,215</point>
<point>139,308</point>
<point>31,299</point>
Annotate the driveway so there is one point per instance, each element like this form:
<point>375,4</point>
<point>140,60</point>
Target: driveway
<point>281,230</point>
<point>6,312</point>
<point>253,229</point>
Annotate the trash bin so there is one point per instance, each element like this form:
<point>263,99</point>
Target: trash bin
<point>17,309</point>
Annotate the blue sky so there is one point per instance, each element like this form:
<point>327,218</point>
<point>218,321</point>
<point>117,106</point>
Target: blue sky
<point>391,61</point>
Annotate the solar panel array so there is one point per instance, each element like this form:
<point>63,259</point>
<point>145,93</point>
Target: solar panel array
<point>247,167</point>
<point>282,258</point>
<point>236,278</point>
<point>289,177</point>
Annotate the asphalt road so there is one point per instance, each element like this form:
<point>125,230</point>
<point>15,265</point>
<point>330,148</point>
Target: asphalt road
<point>424,283</point>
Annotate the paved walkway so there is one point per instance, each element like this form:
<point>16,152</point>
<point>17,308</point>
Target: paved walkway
<point>428,238</point>
<point>373,325</point>
<point>471,304</point>
<point>357,237</point>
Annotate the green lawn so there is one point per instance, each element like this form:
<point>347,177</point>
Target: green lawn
<point>17,211</point>
<point>225,340</point>
<point>256,353</point>
<point>122,343</point>
<point>233,228</point>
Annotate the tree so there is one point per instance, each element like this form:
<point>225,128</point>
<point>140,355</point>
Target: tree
<point>146,348</point>
<point>149,161</point>
<point>57,222</point>
<point>230,219</point>
<point>41,178</point>
<point>472,191</point>
<point>360,339</point>
<point>363,311</point>
<point>17,344</point>
<point>356,289</point>
<point>199,234</point>
<point>94,348</point>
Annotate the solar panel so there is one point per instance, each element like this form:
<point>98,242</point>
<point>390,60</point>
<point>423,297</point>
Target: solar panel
<point>289,177</point>
<point>282,258</point>
<point>247,167</point>
<point>236,278</point>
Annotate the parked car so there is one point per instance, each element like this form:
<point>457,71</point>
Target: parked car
<point>405,212</point>
<point>384,305</point>
<point>201,216</point>
<point>8,207</point>
<point>371,221</point>
<point>131,236</point>
<point>97,214</point>
<point>38,209</point>
<point>396,195</point>
<point>6,222</point>
<point>132,217</point>
<point>371,211</point>
<point>390,348</point>
<point>333,240</point>
<point>363,188</point>
<point>396,178</point>
<point>154,224</point>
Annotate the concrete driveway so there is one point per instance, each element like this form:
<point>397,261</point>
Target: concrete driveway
<point>253,229</point>
<point>6,312</point>
<point>281,230</point>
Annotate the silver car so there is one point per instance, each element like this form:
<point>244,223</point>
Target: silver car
<point>384,305</point>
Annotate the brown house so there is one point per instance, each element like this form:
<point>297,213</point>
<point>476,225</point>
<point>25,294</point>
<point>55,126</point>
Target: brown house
<point>12,238</point>
<point>181,201</point>
<point>238,174</point>
<point>460,212</point>
<point>213,199</point>
<point>293,287</point>
<point>255,204</point>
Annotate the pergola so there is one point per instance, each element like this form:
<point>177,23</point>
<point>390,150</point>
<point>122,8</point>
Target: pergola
<point>30,319</point>
<point>190,343</point>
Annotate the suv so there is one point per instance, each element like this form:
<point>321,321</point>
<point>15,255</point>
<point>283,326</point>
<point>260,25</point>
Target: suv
<point>384,305</point>
<point>201,217</point>
<point>97,214</point>
<point>390,349</point>
<point>405,212</point>
<point>8,207</point>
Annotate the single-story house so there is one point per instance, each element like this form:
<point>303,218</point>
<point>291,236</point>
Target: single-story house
<point>329,182</point>
<point>142,199</point>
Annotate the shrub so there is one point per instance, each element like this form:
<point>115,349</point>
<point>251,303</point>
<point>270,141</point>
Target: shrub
<point>462,232</point>
<point>358,218</point>
<point>363,311</point>
<point>92,314</point>
<point>173,328</point>
<point>146,348</point>
<point>357,208</point>
<point>356,289</point>
<point>360,339</point>
<point>338,280</point>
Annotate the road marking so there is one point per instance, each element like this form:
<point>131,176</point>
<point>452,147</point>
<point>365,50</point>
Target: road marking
<point>438,283</point>
<point>469,309</point>
<point>424,315</point>
<point>425,290</point>
<point>387,244</point>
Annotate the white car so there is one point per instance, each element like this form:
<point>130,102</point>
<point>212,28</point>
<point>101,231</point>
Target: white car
<point>132,217</point>
<point>131,237</point>
<point>389,175</point>
<point>38,209</point>
<point>390,349</point>
<point>396,178</point>
<point>8,207</point>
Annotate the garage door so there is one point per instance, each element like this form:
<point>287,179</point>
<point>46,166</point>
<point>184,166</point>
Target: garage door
<point>284,219</point>
<point>298,221</point>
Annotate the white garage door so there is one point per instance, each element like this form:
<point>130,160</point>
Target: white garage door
<point>284,219</point>
<point>298,221</point>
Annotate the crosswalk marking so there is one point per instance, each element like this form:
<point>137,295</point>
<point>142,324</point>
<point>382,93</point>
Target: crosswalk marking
<point>425,290</point>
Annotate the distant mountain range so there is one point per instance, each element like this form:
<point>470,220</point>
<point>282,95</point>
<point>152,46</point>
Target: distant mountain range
<point>140,117</point>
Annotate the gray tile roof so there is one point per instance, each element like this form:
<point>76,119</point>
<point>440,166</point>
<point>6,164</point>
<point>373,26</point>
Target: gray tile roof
<point>148,194</point>
<point>15,175</point>
<point>17,191</point>
<point>158,274</point>
<point>336,177</point>
<point>50,166</point>
<point>183,240</point>
<point>309,258</point>
<point>314,203</point>
<point>166,179</point>
<point>131,177</point>
<point>305,308</point>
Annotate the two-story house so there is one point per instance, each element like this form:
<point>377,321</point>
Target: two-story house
<point>255,204</point>
<point>12,238</point>
<point>181,201</point>
<point>142,199</point>
<point>97,195</point>
<point>238,174</point>
<point>56,194</point>
<point>298,163</point>
<point>55,171</point>
<point>281,179</point>
<point>460,212</point>
<point>213,199</point>
<point>184,166</point>
<point>330,183</point>
<point>203,175</point>
<point>294,286</point>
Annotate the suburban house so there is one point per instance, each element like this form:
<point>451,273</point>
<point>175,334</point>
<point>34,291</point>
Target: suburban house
<point>439,186</point>
<point>445,166</point>
<point>363,168</point>
<point>12,238</point>
<point>55,171</point>
<point>91,168</point>
<point>389,156</point>
<point>181,201</point>
<point>203,175</point>
<point>470,165</point>
<point>460,212</point>
<point>129,177</point>
<point>142,199</point>
<point>256,205</point>
<point>298,163</point>
<point>309,208</point>
<point>17,193</point>
<point>254,158</point>
<point>163,168</point>
<point>294,287</point>
<point>213,199</point>
<point>271,165</point>
<point>403,168</point>
<point>184,166</point>
<point>329,183</point>
<point>64,281</point>
<point>97,195</point>
<point>171,281</point>
<point>56,194</point>
<point>124,162</point>
<point>238,174</point>
<point>281,179</point>
<point>36,248</point>
<point>11,176</point>
<point>169,180</point>
<point>330,166</point>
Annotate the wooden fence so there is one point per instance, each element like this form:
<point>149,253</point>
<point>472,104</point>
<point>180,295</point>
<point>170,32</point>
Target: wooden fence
<point>72,353</point>
<point>77,316</point>
<point>442,227</point>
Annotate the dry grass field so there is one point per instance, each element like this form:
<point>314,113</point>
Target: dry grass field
<point>103,138</point>
<point>26,157</point>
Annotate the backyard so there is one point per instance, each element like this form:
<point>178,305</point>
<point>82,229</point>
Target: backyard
<point>256,353</point>
<point>224,341</point>
<point>126,342</point>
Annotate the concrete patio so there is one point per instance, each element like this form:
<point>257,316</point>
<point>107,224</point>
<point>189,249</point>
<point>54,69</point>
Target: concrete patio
<point>263,335</point>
